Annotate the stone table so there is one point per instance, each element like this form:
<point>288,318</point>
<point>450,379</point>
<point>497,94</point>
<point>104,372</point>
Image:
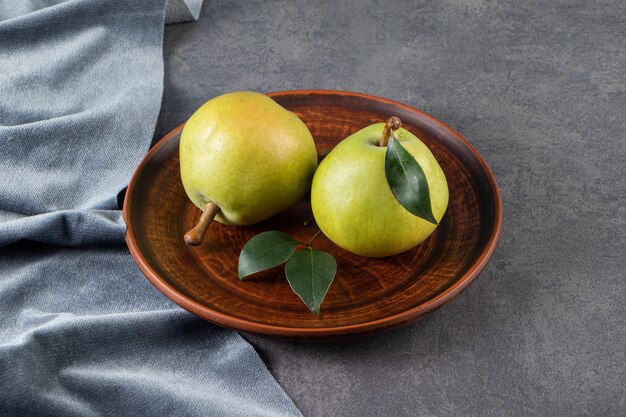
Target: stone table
<point>539,89</point>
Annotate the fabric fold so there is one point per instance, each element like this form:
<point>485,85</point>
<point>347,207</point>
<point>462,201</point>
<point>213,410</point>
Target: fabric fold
<point>66,228</point>
<point>82,331</point>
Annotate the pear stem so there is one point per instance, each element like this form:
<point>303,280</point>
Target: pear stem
<point>392,124</point>
<point>195,236</point>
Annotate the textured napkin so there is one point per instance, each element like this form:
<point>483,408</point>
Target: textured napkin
<point>82,332</point>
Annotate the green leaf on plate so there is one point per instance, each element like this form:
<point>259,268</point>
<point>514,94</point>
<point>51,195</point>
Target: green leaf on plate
<point>310,272</point>
<point>264,251</point>
<point>407,181</point>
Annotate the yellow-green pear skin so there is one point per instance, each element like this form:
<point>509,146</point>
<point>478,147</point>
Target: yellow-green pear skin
<point>353,204</point>
<point>247,154</point>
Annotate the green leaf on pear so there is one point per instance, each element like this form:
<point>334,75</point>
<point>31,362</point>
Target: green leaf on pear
<point>310,273</point>
<point>408,181</point>
<point>265,251</point>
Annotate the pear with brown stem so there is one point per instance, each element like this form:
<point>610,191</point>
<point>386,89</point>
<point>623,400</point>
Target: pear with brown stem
<point>244,158</point>
<point>352,197</point>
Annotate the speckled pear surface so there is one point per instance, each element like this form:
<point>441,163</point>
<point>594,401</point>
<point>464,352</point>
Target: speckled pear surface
<point>353,204</point>
<point>247,154</point>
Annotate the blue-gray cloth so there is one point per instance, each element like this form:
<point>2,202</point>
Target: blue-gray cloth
<point>82,332</point>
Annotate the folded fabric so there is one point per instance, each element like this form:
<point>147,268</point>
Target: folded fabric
<point>177,11</point>
<point>82,332</point>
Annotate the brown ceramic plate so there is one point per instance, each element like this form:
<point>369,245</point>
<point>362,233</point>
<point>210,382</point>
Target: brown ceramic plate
<point>367,294</point>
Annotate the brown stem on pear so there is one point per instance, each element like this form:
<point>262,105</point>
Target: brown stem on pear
<point>392,124</point>
<point>195,236</point>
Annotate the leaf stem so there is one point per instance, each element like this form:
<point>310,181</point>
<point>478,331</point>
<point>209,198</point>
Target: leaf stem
<point>393,123</point>
<point>307,221</point>
<point>308,244</point>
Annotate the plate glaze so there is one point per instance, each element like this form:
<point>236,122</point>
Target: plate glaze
<point>367,294</point>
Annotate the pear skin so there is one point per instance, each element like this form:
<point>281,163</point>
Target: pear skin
<point>247,155</point>
<point>353,204</point>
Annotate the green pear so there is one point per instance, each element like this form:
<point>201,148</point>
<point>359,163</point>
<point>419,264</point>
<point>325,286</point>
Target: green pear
<point>353,203</point>
<point>244,158</point>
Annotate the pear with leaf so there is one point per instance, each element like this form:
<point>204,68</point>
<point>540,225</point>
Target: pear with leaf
<point>379,192</point>
<point>244,158</point>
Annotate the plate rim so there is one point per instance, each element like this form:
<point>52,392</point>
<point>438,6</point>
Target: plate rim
<point>250,326</point>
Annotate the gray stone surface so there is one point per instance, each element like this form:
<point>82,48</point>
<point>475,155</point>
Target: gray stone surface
<point>539,88</point>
